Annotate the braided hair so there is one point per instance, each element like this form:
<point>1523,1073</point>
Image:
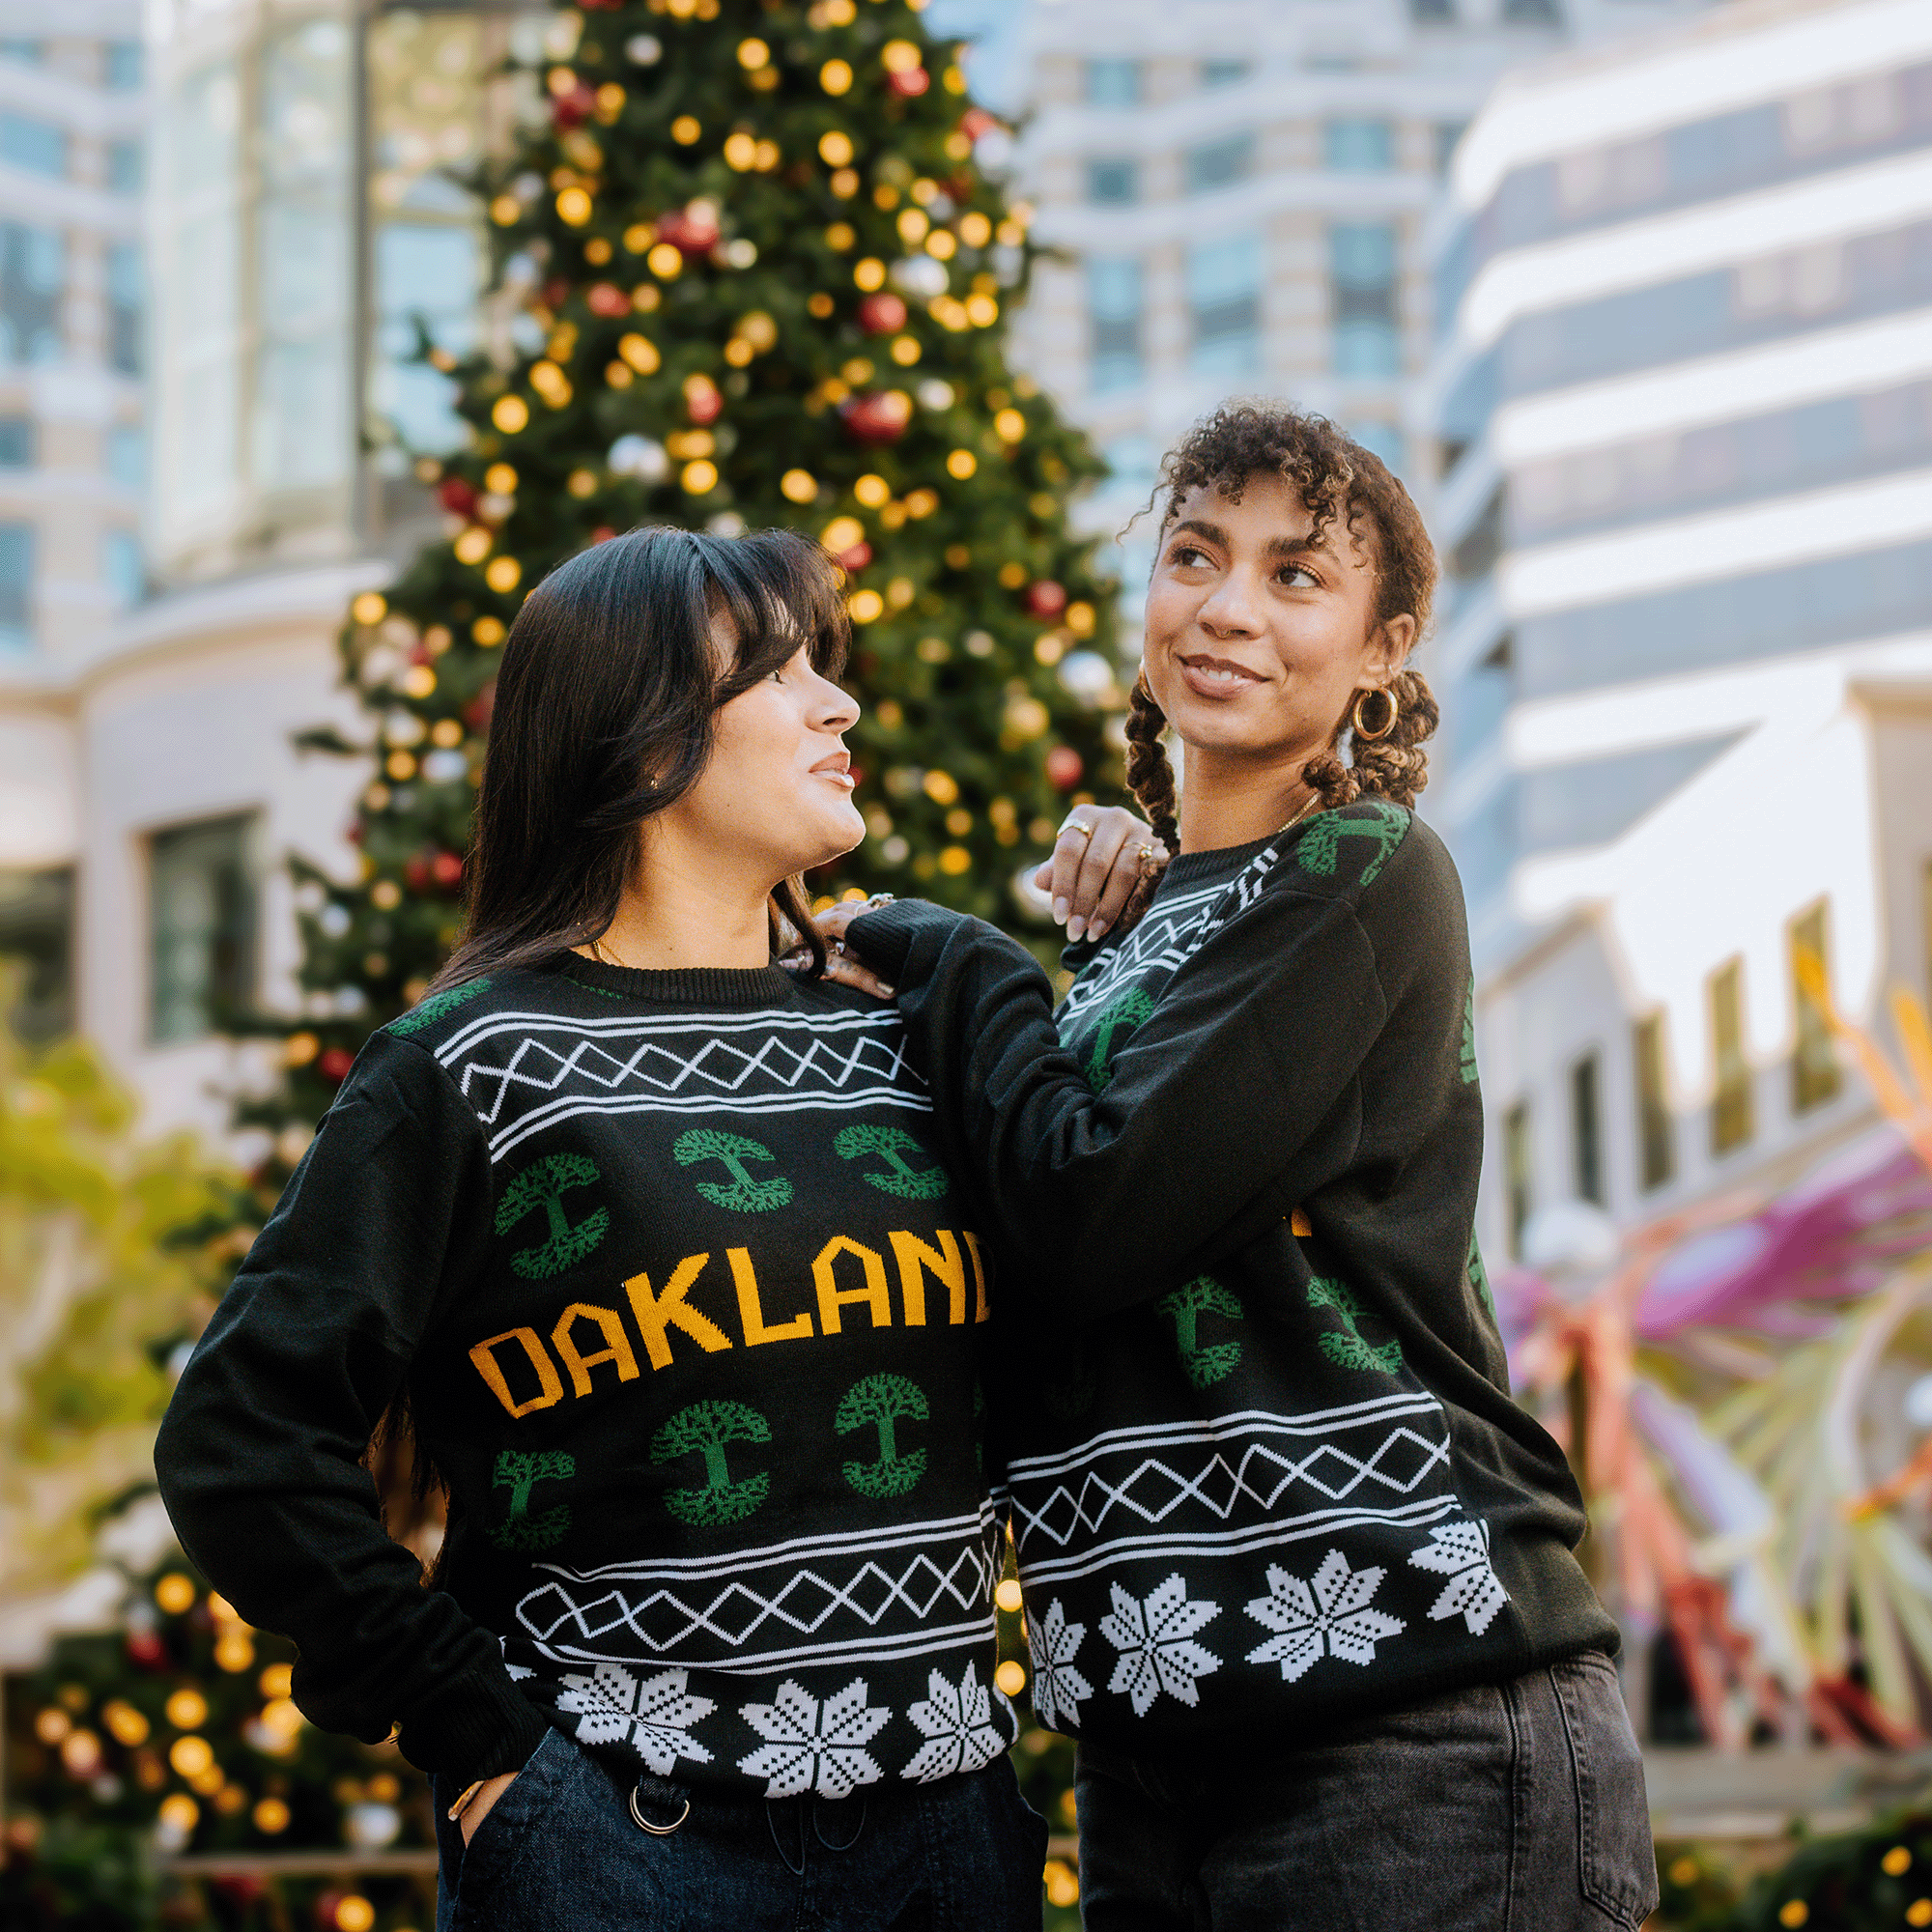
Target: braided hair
<point>1337,480</point>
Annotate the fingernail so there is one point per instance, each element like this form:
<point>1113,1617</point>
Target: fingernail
<point>889,992</point>
<point>1095,931</point>
<point>1075,927</point>
<point>1059,911</point>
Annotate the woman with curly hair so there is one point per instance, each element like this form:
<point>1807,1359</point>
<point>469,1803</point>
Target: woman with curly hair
<point>1298,1571</point>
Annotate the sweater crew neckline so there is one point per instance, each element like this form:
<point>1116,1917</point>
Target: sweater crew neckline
<point>739,987</point>
<point>1200,866</point>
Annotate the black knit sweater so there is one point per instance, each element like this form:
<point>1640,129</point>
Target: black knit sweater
<point>1256,1435</point>
<point>687,1314</point>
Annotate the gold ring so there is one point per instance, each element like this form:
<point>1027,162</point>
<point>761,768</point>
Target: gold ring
<point>1078,825</point>
<point>1144,858</point>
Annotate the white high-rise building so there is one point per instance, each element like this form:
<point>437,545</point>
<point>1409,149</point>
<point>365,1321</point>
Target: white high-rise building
<point>1685,398</point>
<point>1241,190</point>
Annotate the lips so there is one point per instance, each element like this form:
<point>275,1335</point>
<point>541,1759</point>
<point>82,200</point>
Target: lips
<point>1217,677</point>
<point>838,768</point>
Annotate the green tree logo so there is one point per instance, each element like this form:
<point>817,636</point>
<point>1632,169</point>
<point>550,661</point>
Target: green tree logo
<point>744,1196</point>
<point>1468,1059</point>
<point>1320,846</point>
<point>1350,1351</point>
<point>883,1401</point>
<point>433,1009</point>
<point>1479,1275</point>
<point>1185,1307</point>
<point>544,1184</point>
<point>1132,1009</point>
<point>925,1183</point>
<point>704,1428</point>
<point>520,1471</point>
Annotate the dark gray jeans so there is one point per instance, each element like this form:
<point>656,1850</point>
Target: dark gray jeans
<point>1510,1807</point>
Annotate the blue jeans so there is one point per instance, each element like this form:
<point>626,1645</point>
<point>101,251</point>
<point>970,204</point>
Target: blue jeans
<point>561,1852</point>
<point>1508,1807</point>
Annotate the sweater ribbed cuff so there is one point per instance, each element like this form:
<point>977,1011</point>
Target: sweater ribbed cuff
<point>479,1726</point>
<point>884,939</point>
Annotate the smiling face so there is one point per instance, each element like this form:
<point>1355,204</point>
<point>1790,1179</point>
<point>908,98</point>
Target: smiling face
<point>1258,635</point>
<point>776,797</point>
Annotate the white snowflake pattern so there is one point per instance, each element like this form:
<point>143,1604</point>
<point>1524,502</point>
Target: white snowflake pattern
<point>1460,1551</point>
<point>653,1718</point>
<point>1332,1617</point>
<point>1154,1642</point>
<point>806,1751</point>
<point>956,1722</point>
<point>1057,1687</point>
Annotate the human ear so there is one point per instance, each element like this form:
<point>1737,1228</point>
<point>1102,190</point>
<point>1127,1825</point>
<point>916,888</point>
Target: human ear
<point>1389,647</point>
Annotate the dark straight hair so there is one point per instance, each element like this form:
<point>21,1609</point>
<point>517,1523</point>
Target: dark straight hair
<point>604,713</point>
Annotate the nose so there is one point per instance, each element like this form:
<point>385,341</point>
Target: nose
<point>833,710</point>
<point>1233,608</point>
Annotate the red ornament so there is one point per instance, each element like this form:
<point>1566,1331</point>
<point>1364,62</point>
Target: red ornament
<point>608,299</point>
<point>879,416</point>
<point>574,108</point>
<point>912,83</point>
<point>456,495</point>
<point>146,1651</point>
<point>327,1907</point>
<point>857,557</point>
<point>1063,768</point>
<point>334,1063</point>
<point>1047,598</point>
<point>477,712</point>
<point>603,533</point>
<point>691,231</point>
<point>556,293</point>
<point>241,1888</point>
<point>975,122</point>
<point>702,402</point>
<point>446,869</point>
<point>882,314</point>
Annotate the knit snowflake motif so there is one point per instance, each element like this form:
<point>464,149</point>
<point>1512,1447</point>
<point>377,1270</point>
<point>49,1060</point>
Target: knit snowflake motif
<point>653,1718</point>
<point>956,1722</point>
<point>1057,1687</point>
<point>805,1751</point>
<point>1460,1551</point>
<point>1153,1640</point>
<point>1333,1617</point>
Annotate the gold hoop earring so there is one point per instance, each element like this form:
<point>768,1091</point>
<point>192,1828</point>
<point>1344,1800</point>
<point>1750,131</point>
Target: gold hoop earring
<point>1394,712</point>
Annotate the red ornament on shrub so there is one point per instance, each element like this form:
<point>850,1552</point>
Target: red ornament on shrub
<point>702,401</point>
<point>457,497</point>
<point>879,416</point>
<point>477,712</point>
<point>975,122</point>
<point>691,231</point>
<point>334,1063</point>
<point>1063,768</point>
<point>556,293</point>
<point>881,314</point>
<point>574,108</point>
<point>912,83</point>
<point>1047,598</point>
<point>857,557</point>
<point>608,299</point>
<point>446,869</point>
<point>146,1651</point>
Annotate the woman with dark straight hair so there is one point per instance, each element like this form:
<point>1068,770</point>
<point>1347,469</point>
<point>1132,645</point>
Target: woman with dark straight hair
<point>1298,1571</point>
<point>645,1236</point>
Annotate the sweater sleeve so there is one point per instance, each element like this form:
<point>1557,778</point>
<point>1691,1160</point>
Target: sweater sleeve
<point>1235,1100</point>
<point>260,1454</point>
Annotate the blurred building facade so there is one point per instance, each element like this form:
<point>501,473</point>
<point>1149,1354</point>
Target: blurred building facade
<point>1684,397</point>
<point>1241,190</point>
<point>73,125</point>
<point>303,218</point>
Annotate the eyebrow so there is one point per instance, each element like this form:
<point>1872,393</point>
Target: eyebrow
<point>1283,548</point>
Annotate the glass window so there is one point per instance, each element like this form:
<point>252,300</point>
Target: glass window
<point>125,306</point>
<point>24,53</point>
<point>1380,439</point>
<point>1517,1173</point>
<point>1731,1114</point>
<point>16,586</point>
<point>1447,134</point>
<point>1358,146</point>
<point>1225,72</point>
<point>1432,10</point>
<point>1223,302</point>
<point>37,934</point>
<point>1114,304</point>
<point>1220,163</point>
<point>124,66</point>
<point>1134,462</point>
<point>201,924</point>
<point>37,146</point>
<point>1586,1130</point>
<point>1113,181</point>
<point>429,273</point>
<point>33,275</point>
<point>1112,83</point>
<point>1814,1064</point>
<point>128,455</point>
<point>125,166</point>
<point>17,442</point>
<point>206,124</point>
<point>121,567</point>
<point>1362,293</point>
<point>1656,1130</point>
<point>1532,13</point>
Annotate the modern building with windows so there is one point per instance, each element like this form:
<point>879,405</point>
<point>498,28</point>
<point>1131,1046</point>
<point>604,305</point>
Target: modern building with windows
<point>1240,190</point>
<point>1684,402</point>
<point>297,222</point>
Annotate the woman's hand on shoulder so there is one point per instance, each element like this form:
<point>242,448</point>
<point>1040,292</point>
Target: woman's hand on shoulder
<point>1098,857</point>
<point>842,963</point>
